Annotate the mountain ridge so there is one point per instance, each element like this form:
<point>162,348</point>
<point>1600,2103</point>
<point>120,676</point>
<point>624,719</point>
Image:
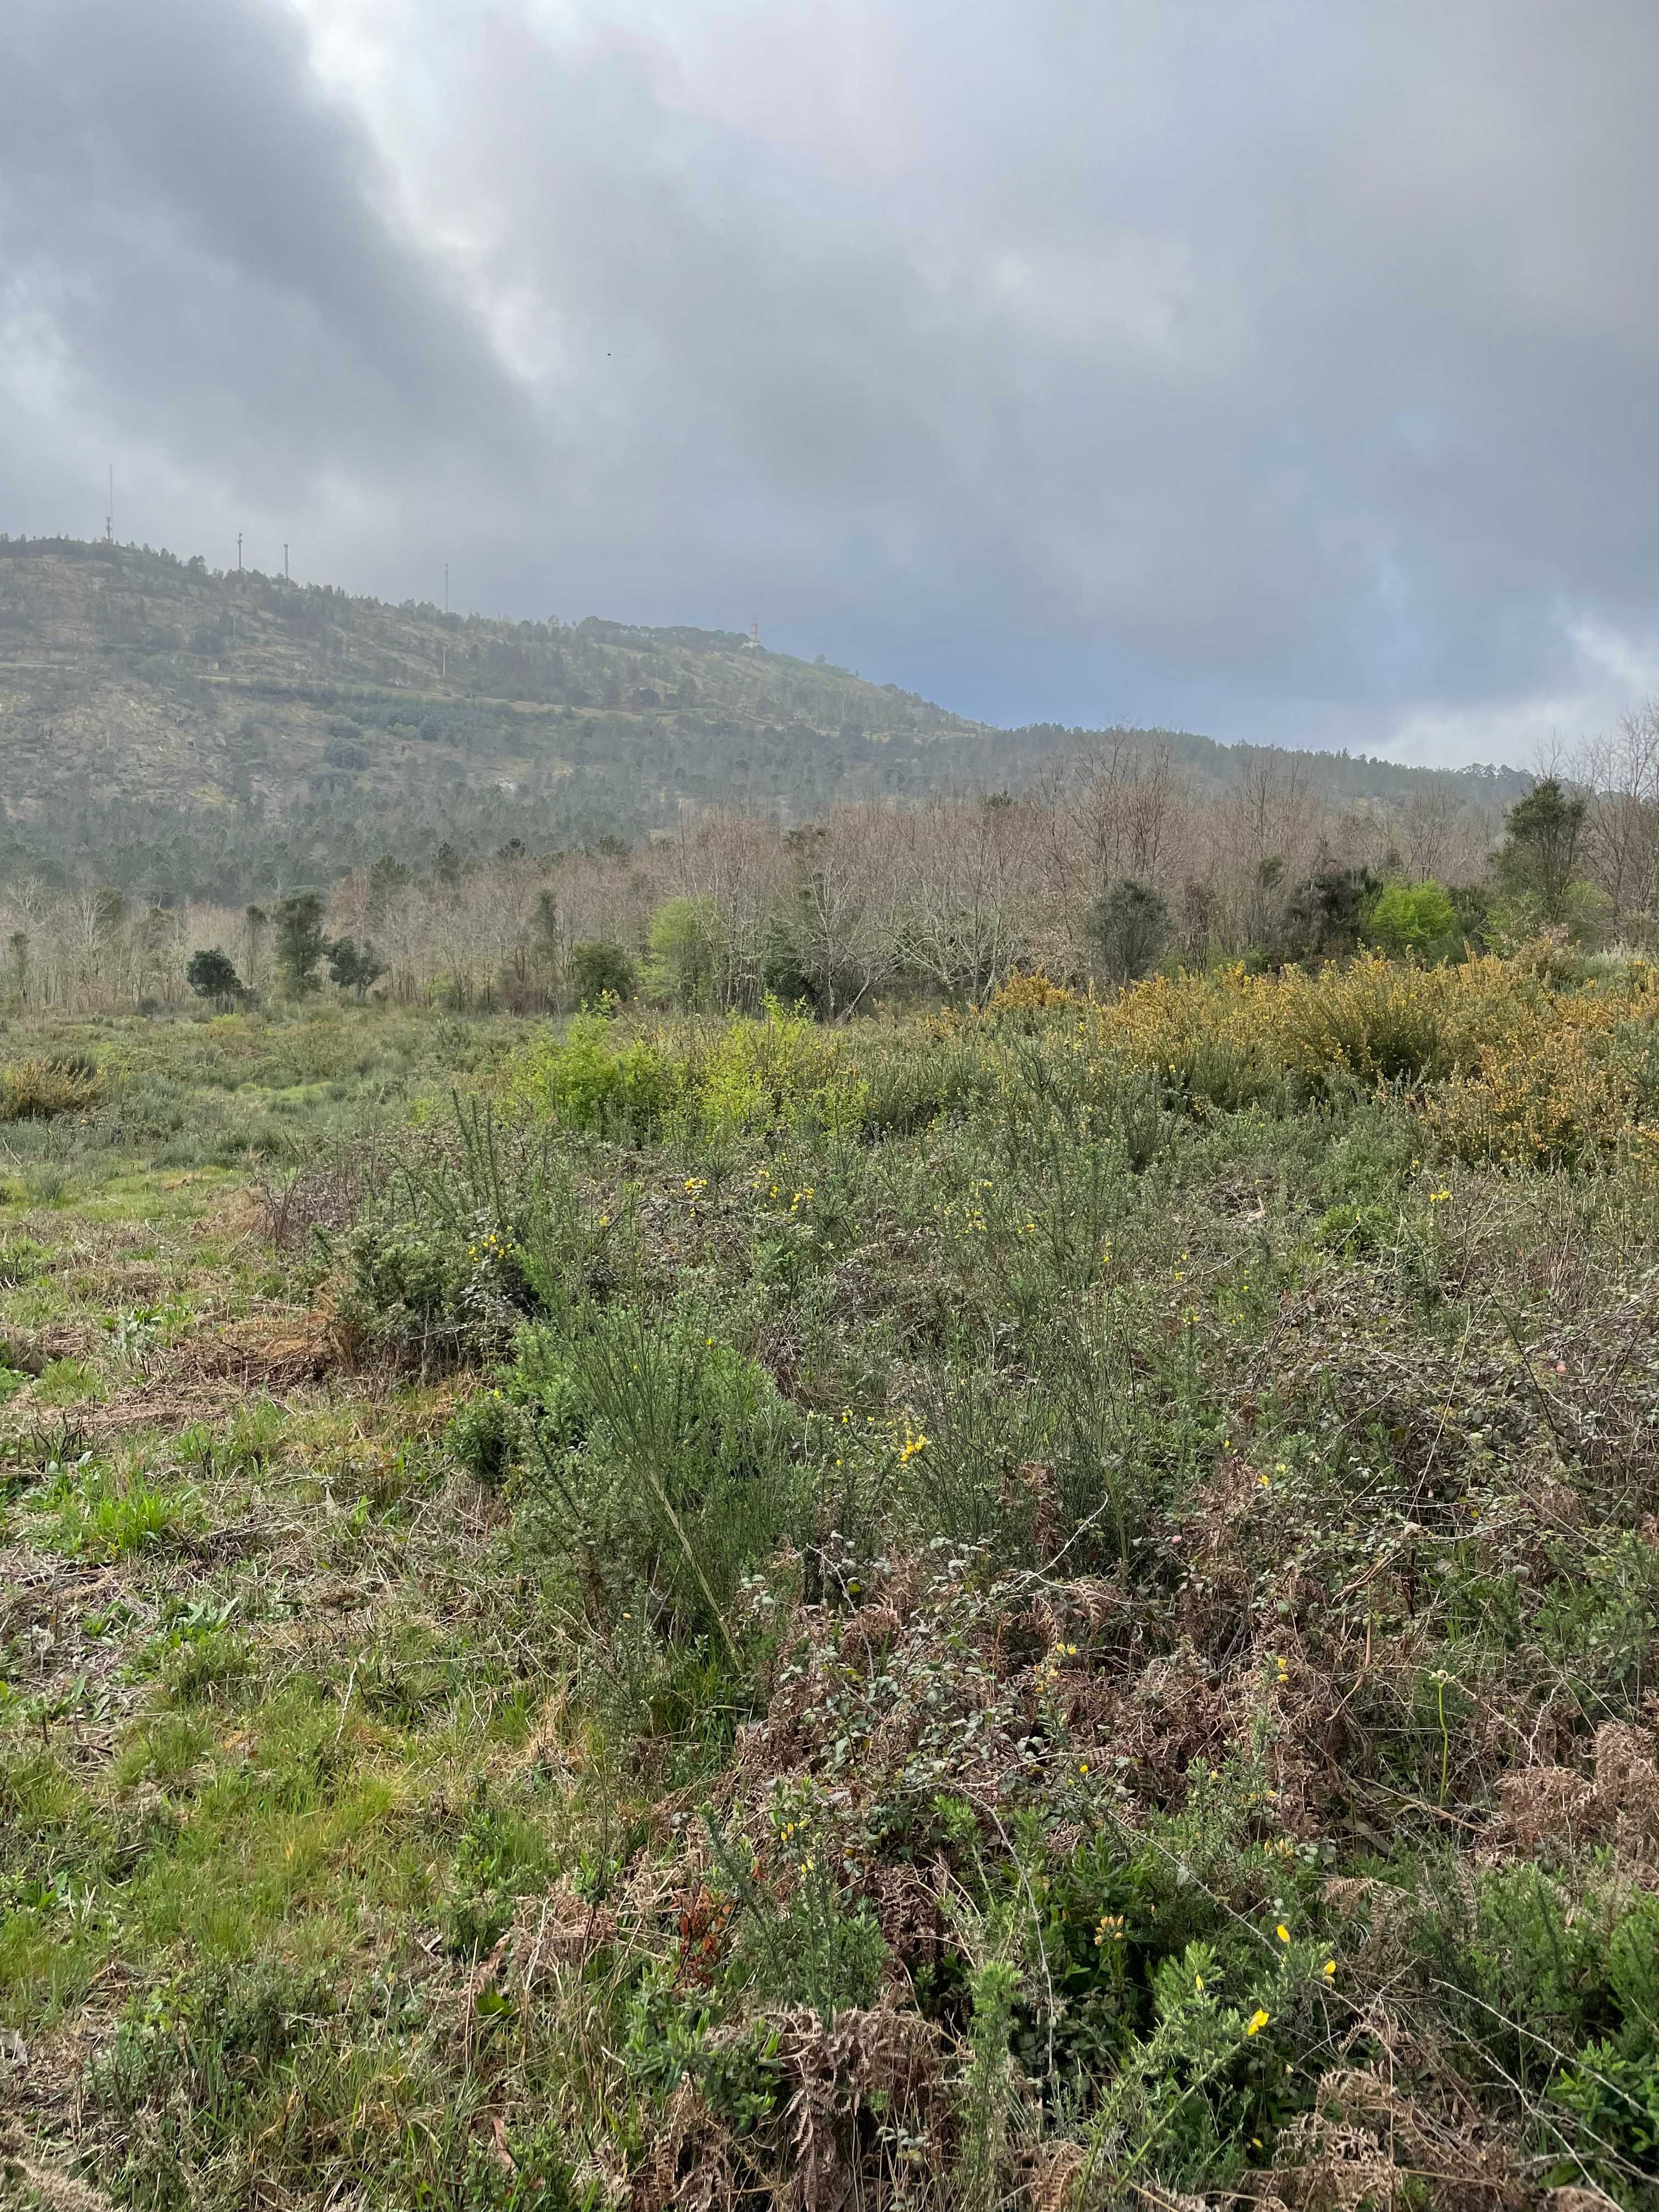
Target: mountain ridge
<point>181,730</point>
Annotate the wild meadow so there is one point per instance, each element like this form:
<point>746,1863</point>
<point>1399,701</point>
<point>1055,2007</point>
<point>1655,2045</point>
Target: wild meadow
<point>1049,1605</point>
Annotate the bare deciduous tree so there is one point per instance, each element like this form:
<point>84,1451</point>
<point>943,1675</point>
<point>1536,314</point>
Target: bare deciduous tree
<point>1621,828</point>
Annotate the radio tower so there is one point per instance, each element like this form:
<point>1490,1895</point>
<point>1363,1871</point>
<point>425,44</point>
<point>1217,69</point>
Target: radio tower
<point>109,520</point>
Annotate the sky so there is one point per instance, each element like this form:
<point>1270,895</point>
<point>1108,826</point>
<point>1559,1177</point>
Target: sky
<point>1265,367</point>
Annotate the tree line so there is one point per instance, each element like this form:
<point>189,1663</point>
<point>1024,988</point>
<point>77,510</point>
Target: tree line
<point>1116,860</point>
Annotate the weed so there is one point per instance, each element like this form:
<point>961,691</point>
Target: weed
<point>67,1382</point>
<point>99,1512</point>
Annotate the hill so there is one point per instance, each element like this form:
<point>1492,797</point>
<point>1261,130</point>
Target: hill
<point>184,732</point>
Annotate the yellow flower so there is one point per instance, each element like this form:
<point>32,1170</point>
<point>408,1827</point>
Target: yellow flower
<point>1284,1933</point>
<point>1083,1767</point>
<point>1258,2021</point>
<point>1329,1968</point>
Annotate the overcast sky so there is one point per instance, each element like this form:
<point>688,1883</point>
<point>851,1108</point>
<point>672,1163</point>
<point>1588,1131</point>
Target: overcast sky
<point>1275,370</point>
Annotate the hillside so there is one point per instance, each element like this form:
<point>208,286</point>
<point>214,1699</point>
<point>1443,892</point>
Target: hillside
<point>180,731</point>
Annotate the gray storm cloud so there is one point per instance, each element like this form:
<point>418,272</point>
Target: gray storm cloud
<point>1276,370</point>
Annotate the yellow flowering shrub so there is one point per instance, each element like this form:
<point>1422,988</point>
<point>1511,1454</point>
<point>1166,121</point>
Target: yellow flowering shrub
<point>1546,1092</point>
<point>1030,990</point>
<point>1501,1062</point>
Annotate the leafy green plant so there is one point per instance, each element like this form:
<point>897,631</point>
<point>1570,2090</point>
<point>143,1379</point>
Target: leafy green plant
<point>589,1081</point>
<point>483,1436</point>
<point>500,1857</point>
<point>1413,918</point>
<point>99,1513</point>
<point>808,1945</point>
<point>1614,2102</point>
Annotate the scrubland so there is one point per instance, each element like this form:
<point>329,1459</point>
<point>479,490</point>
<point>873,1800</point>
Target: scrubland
<point>1050,1606</point>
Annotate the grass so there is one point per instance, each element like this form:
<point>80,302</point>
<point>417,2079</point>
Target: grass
<point>1049,1606</point>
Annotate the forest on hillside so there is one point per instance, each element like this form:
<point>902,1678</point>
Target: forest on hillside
<point>179,733</point>
<point>1117,861</point>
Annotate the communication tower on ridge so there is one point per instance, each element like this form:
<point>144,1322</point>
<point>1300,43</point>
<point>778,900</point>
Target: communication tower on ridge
<point>751,643</point>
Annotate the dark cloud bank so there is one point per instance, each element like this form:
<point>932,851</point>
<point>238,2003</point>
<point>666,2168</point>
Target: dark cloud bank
<point>1275,369</point>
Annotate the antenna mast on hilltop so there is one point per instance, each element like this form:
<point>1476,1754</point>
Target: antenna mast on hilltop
<point>239,549</point>
<point>109,520</point>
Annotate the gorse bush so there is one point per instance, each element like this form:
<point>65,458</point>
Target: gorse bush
<point>38,1090</point>
<point>666,1457</point>
<point>738,1076</point>
<point>1502,1063</point>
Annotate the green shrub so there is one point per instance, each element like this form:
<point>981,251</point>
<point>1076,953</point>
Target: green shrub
<point>1615,2129</point>
<point>814,1948</point>
<point>501,1858</point>
<point>1413,918</point>
<point>1357,1231</point>
<point>599,972</point>
<point>22,1259</point>
<point>483,1436</point>
<point>589,1081</point>
<point>1542,1967</point>
<point>665,1456</point>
